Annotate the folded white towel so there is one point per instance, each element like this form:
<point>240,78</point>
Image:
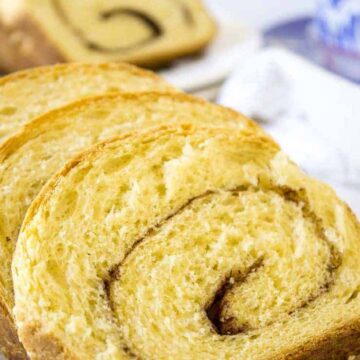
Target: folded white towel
<point>314,115</point>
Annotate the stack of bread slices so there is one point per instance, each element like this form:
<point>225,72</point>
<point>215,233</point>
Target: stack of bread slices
<point>138,222</point>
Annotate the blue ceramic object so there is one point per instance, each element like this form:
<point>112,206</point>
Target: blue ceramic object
<point>337,24</point>
<point>309,37</point>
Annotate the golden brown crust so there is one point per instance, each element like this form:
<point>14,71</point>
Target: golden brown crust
<point>338,345</point>
<point>62,69</point>
<point>45,345</point>
<point>9,342</point>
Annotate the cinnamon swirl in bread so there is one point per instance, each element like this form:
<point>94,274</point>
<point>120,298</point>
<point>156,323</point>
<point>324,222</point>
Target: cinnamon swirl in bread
<point>184,243</point>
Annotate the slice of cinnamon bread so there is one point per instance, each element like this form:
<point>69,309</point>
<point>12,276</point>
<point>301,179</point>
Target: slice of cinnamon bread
<point>187,243</point>
<point>137,31</point>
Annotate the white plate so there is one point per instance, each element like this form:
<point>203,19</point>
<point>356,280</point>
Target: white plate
<point>233,42</point>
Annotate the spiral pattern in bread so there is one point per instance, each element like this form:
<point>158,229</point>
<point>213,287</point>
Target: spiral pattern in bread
<point>187,243</point>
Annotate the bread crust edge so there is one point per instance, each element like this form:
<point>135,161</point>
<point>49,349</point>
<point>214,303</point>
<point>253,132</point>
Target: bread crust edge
<point>44,346</point>
<point>337,345</point>
<point>9,341</point>
<point>63,68</point>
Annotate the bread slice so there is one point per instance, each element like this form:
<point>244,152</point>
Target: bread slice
<point>30,157</point>
<point>187,242</point>
<point>141,32</point>
<point>30,93</point>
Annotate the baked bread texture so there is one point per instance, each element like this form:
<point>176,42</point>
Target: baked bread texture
<point>30,93</point>
<point>139,31</point>
<point>187,242</point>
<point>29,158</point>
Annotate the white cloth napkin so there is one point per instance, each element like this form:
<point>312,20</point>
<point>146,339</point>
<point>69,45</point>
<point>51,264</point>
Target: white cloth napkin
<point>314,115</point>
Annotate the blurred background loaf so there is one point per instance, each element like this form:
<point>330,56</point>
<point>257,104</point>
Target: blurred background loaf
<point>139,31</point>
